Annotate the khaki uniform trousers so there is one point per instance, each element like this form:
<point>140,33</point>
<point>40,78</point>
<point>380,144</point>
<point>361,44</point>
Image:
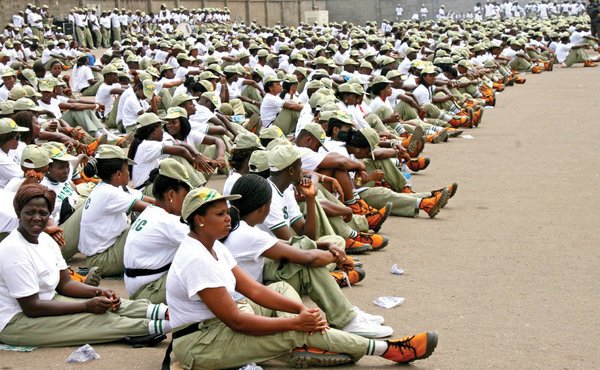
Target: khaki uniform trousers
<point>86,119</point>
<point>80,34</point>
<point>155,292</point>
<point>98,38</point>
<point>110,261</point>
<point>251,93</point>
<point>314,282</point>
<point>88,37</point>
<point>77,329</point>
<point>520,64</point>
<point>93,90</point>
<point>204,349</point>
<point>116,34</point>
<point>576,56</point>
<point>105,37</point>
<point>286,120</point>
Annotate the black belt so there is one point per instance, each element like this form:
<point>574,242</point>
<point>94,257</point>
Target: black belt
<point>166,364</point>
<point>145,272</point>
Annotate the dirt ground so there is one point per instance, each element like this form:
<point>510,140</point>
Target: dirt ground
<point>508,273</point>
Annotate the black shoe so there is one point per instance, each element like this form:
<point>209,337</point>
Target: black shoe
<point>149,340</point>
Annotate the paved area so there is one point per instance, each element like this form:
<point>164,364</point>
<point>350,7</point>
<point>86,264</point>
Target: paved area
<point>508,272</point>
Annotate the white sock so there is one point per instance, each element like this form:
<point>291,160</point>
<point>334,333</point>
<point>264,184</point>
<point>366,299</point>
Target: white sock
<point>159,326</point>
<point>156,311</point>
<point>377,347</point>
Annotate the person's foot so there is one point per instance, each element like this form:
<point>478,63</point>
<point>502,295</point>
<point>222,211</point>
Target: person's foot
<point>452,132</point>
<point>345,278</point>
<point>432,205</point>
<point>376,241</point>
<point>452,188</point>
<point>149,340</point>
<point>309,357</point>
<point>354,246</point>
<point>93,277</point>
<point>460,121</point>
<point>374,318</point>
<point>418,164</point>
<point>360,207</point>
<point>416,143</point>
<point>125,141</point>
<point>377,218</point>
<point>477,115</point>
<point>589,63</point>
<point>368,329</point>
<point>408,349</point>
<point>536,70</point>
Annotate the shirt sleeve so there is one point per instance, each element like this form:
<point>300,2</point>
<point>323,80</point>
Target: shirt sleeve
<point>118,201</point>
<point>148,151</point>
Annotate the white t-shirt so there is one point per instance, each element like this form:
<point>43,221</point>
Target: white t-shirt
<point>422,95</point>
<point>81,77</point>
<point>270,108</point>
<point>562,51</point>
<point>8,216</point>
<point>9,169</point>
<point>131,109</point>
<point>27,269</point>
<point>52,107</point>
<point>151,243</point>
<point>230,181</point>
<point>147,157</point>
<point>199,120</point>
<point>104,217</point>
<point>63,191</point>
<point>193,270</point>
<point>310,159</point>
<point>104,97</point>
<point>284,210</point>
<point>247,244</point>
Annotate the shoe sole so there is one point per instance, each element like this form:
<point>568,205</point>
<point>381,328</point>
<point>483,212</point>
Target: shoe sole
<point>432,341</point>
<point>388,209</point>
<point>455,133</point>
<point>415,140</point>
<point>93,277</point>
<point>303,360</point>
<point>436,208</point>
<point>362,249</point>
<point>454,190</point>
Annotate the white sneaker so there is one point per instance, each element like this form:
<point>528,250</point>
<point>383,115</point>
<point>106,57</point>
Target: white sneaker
<point>367,329</point>
<point>374,318</point>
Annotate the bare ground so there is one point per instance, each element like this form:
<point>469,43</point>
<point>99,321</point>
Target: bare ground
<point>508,273</point>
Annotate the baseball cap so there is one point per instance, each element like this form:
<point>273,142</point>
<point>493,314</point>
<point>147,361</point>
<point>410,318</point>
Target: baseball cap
<point>372,138</point>
<point>106,151</point>
<point>147,119</point>
<point>46,85</point>
<point>7,72</point>
<point>247,140</point>
<point>58,151</point>
<point>201,196</point>
<point>342,117</point>
<point>26,104</point>
<point>17,93</point>
<point>169,167</point>
<point>175,112</point>
<point>34,157</point>
<point>149,88</point>
<point>6,107</point>
<point>8,125</point>
<point>31,93</point>
<point>110,68</point>
<point>214,99</point>
<point>180,99</point>
<point>259,161</point>
<point>272,132</point>
<point>317,131</point>
<point>283,156</point>
<point>271,78</point>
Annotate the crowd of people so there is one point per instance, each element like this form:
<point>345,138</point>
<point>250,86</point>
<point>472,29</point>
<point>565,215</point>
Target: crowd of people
<point>109,155</point>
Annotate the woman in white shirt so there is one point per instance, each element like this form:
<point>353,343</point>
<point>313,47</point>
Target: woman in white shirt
<point>201,287</point>
<point>258,253</point>
<point>9,141</point>
<point>39,299</point>
<point>156,234</point>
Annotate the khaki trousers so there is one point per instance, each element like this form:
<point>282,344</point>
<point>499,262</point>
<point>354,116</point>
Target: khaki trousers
<point>110,261</point>
<point>155,292</point>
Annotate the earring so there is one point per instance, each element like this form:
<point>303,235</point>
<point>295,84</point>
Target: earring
<point>170,200</point>
<point>201,225</point>
<point>356,150</point>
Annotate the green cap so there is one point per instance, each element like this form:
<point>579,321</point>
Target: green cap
<point>149,88</point>
<point>247,140</point>
<point>34,157</point>
<point>283,156</point>
<point>147,119</point>
<point>342,116</point>
<point>290,79</point>
<point>26,104</point>
<point>317,131</point>
<point>272,132</point>
<point>165,67</point>
<point>271,78</point>
<point>372,137</point>
<point>6,107</point>
<point>175,112</point>
<point>180,99</point>
<point>58,151</point>
<point>214,99</point>
<point>232,69</point>
<point>259,161</point>
<point>17,93</point>
<point>347,88</point>
<point>169,167</point>
<point>201,196</point>
<point>8,72</point>
<point>8,125</point>
<point>109,68</point>
<point>207,75</point>
<point>31,93</point>
<point>380,80</point>
<point>112,152</point>
<point>46,85</point>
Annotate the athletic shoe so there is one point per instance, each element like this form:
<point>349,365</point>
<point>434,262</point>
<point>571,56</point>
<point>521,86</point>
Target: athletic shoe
<point>356,260</point>
<point>125,141</point>
<point>354,246</point>
<point>419,164</point>
<point>408,349</point>
<point>376,241</point>
<point>93,277</point>
<point>352,277</point>
<point>149,340</point>
<point>377,218</point>
<point>433,204</point>
<point>309,357</point>
<point>536,70</point>
<point>360,207</point>
<point>589,63</point>
<point>374,318</point>
<point>452,132</point>
<point>416,143</point>
<point>368,329</point>
<point>460,121</point>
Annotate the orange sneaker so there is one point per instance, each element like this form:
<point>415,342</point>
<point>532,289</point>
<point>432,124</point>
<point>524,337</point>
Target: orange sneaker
<point>498,86</point>
<point>354,246</point>
<point>125,141</point>
<point>408,349</point>
<point>452,132</point>
<point>407,190</point>
<point>520,80</point>
<point>434,203</point>
<point>415,143</point>
<point>418,164</point>
<point>460,121</point>
<point>589,63</point>
<point>536,70</point>
<point>376,241</point>
<point>93,146</point>
<point>477,115</point>
<point>352,277</point>
<point>310,357</point>
<point>360,207</point>
<point>452,188</point>
<point>377,218</point>
<point>92,278</point>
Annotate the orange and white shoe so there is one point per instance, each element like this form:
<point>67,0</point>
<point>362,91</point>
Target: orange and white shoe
<point>408,349</point>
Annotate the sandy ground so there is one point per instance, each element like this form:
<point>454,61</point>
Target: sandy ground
<point>508,272</point>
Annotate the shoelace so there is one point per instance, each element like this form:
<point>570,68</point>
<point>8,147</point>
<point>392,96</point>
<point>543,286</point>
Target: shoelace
<point>403,344</point>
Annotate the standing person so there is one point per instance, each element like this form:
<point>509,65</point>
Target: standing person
<point>115,23</point>
<point>38,297</point>
<point>272,320</point>
<point>593,10</point>
<point>399,11</point>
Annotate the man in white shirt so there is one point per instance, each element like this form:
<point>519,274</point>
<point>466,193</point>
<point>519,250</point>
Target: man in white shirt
<point>274,110</point>
<point>107,93</point>
<point>115,23</point>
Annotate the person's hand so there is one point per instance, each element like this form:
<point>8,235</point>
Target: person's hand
<point>340,256</point>
<point>52,126</point>
<point>310,321</point>
<point>221,163</point>
<point>56,233</point>
<point>347,214</point>
<point>395,117</point>
<point>376,175</point>
<point>335,186</point>
<point>201,164</point>
<point>98,305</point>
<point>306,187</point>
<point>114,298</point>
<point>422,112</point>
